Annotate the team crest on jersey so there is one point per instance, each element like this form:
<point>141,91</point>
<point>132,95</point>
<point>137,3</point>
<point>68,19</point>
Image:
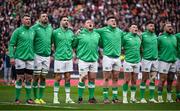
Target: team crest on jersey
<point>22,32</point>
<point>32,33</point>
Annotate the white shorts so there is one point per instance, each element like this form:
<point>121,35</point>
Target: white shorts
<point>165,67</point>
<point>85,67</point>
<point>178,65</point>
<point>131,67</point>
<point>110,64</point>
<point>41,64</point>
<point>63,66</point>
<point>21,64</point>
<point>148,65</point>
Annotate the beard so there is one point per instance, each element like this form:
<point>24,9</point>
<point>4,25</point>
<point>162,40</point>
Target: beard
<point>170,31</point>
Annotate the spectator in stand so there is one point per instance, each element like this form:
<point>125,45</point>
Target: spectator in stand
<point>7,69</point>
<point>127,11</point>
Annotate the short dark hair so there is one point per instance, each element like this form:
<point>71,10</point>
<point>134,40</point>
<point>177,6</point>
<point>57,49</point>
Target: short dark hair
<point>149,22</point>
<point>25,15</point>
<point>84,21</point>
<point>63,17</point>
<point>132,24</point>
<point>42,13</point>
<point>111,17</point>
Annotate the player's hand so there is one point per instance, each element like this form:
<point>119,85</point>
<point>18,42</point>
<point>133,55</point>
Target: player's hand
<point>78,32</point>
<point>12,61</point>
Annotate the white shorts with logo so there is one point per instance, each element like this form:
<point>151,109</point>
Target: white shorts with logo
<point>85,67</point>
<point>41,64</point>
<point>21,64</point>
<point>131,67</point>
<point>165,67</point>
<point>63,66</point>
<point>149,65</point>
<point>110,64</point>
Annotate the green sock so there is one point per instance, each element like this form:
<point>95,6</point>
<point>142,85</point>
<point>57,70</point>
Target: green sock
<point>28,90</point>
<point>67,89</point>
<point>133,88</point>
<point>115,92</point>
<point>35,90</point>
<point>105,93</point>
<point>125,87</point>
<point>91,87</point>
<point>18,87</point>
<point>81,87</point>
<point>142,89</point>
<point>56,89</point>
<point>151,90</point>
<point>41,89</point>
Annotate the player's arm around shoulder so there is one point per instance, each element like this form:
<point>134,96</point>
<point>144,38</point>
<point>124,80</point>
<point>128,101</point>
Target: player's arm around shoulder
<point>75,40</point>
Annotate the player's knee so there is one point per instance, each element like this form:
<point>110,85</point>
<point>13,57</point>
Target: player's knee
<point>36,78</point>
<point>67,79</point>
<point>20,78</point>
<point>57,77</point>
<point>83,79</point>
<point>28,77</point>
<point>133,82</point>
<point>42,78</point>
<point>106,79</point>
<point>29,71</point>
<point>20,71</point>
<point>144,80</point>
<point>115,79</point>
<point>126,82</point>
<point>91,79</point>
<point>163,79</point>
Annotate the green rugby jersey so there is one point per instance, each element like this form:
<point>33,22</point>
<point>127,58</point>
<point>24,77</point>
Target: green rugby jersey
<point>62,39</point>
<point>149,45</point>
<point>86,44</point>
<point>21,43</point>
<point>167,45</point>
<point>42,39</point>
<point>131,44</point>
<point>111,41</point>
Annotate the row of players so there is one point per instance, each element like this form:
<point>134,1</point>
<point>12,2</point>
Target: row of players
<point>30,50</point>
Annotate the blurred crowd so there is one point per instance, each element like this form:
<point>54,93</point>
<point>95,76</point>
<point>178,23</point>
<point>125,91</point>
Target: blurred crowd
<point>126,11</point>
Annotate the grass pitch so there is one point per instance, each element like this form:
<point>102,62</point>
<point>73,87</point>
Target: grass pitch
<point>7,96</point>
